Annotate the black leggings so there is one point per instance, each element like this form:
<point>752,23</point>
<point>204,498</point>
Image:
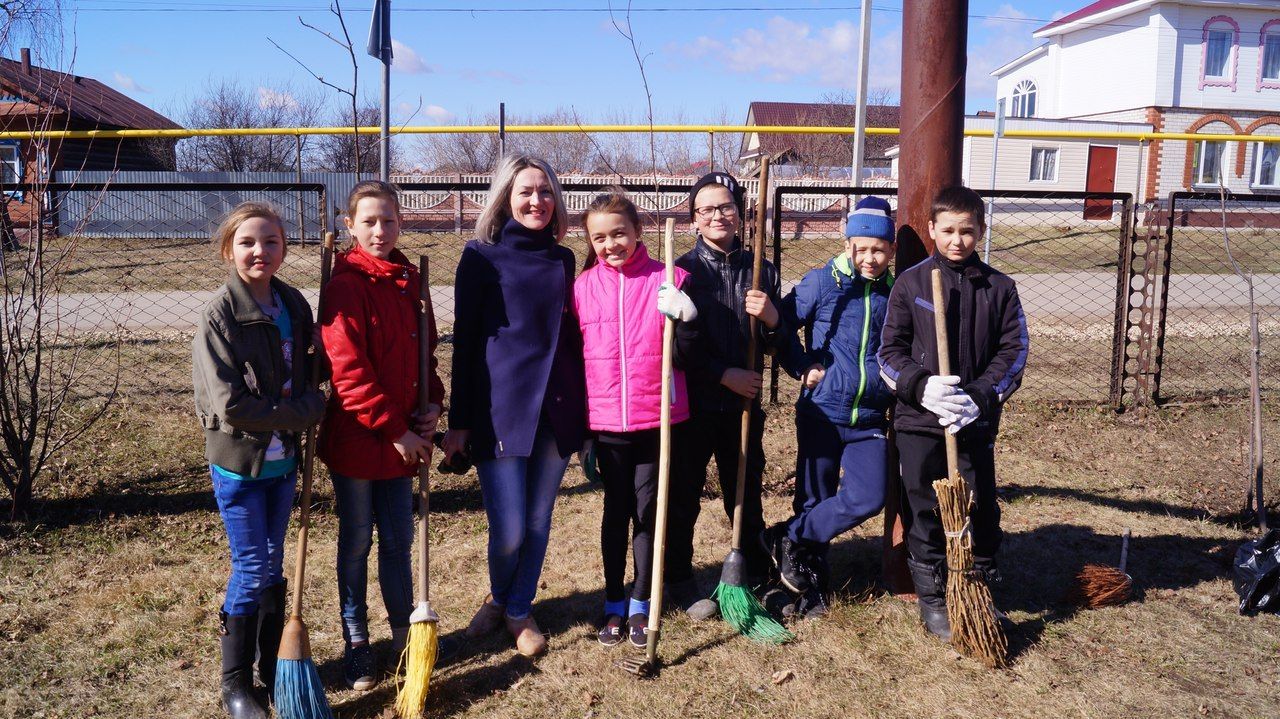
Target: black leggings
<point>628,464</point>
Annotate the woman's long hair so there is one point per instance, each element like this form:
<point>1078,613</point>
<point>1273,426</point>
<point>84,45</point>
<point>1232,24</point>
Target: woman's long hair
<point>497,207</point>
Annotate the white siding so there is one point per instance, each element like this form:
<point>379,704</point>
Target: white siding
<point>1042,71</point>
<point>1109,67</point>
<point>1245,95</point>
<point>1014,171</point>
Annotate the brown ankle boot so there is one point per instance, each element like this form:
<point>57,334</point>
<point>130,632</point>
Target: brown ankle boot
<point>486,621</point>
<point>529,639</point>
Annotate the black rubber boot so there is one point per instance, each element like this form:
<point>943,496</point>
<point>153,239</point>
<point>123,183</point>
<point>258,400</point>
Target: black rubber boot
<point>271,616</point>
<point>931,590</point>
<point>239,636</point>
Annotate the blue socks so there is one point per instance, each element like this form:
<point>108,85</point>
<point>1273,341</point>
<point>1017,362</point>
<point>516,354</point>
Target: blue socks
<point>635,606</point>
<point>619,608</point>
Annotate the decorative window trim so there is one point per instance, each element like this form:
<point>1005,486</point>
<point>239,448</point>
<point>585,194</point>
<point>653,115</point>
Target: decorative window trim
<point>1257,168</point>
<point>1264,83</point>
<point>1057,155</point>
<point>1230,80</point>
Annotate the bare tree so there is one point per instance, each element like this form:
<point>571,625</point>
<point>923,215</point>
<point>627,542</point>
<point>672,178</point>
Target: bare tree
<point>350,152</point>
<point>44,365</point>
<point>462,152</point>
<point>229,104</point>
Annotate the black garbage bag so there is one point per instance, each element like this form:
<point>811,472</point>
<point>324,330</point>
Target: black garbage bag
<point>1257,574</point>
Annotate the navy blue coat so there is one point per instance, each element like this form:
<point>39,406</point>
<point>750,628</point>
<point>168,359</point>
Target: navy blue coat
<point>842,314</point>
<point>517,349</point>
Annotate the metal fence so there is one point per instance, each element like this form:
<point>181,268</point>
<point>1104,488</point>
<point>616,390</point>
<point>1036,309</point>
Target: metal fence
<point>136,267</point>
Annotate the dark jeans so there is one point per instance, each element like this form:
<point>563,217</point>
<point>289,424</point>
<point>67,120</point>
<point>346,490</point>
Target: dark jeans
<point>694,443</point>
<point>362,504</point>
<point>923,459</point>
<point>840,479</point>
<point>255,513</point>
<point>628,464</point>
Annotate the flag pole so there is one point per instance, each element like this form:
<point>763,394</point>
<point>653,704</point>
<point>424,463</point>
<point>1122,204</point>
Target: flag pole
<point>384,155</point>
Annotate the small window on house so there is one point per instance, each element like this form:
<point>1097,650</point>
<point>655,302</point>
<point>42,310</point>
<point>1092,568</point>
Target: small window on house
<point>1044,164</point>
<point>1271,54</point>
<point>1266,155</point>
<point>1207,165</point>
<point>10,165</point>
<point>1217,52</point>
<point>1024,99</point>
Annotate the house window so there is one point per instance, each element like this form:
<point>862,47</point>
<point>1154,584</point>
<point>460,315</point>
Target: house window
<point>1044,164</point>
<point>1024,99</point>
<point>10,164</point>
<point>1269,55</point>
<point>1266,155</point>
<point>1219,49</point>
<point>1207,167</point>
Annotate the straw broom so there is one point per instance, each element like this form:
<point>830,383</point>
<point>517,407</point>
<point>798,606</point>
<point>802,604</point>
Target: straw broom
<point>419,658</point>
<point>299,691</point>
<point>975,631</point>
<point>738,606</point>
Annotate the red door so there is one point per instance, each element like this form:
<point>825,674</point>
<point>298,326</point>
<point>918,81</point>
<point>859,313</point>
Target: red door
<point>1100,177</point>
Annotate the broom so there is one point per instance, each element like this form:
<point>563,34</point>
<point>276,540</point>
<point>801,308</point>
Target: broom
<point>1097,585</point>
<point>419,658</point>
<point>648,667</point>
<point>299,691</point>
<point>738,606</point>
<point>975,632</point>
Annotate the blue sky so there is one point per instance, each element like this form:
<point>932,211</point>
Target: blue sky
<point>457,60</point>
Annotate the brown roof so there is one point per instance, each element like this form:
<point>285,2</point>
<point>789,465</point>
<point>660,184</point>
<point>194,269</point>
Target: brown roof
<point>89,103</point>
<point>821,114</point>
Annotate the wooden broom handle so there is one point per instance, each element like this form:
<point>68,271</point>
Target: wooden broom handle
<point>309,444</point>
<point>944,368</point>
<point>664,456</point>
<point>425,316</point>
<point>757,264</point>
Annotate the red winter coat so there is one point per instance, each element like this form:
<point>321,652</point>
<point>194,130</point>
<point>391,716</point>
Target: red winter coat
<point>370,333</point>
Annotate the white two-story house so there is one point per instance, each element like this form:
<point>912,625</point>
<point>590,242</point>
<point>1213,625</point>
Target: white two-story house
<point>1184,66</point>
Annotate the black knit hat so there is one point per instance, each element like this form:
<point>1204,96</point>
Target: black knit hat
<point>718,178</point>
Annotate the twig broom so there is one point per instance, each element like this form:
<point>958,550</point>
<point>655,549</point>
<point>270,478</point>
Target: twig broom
<point>419,658</point>
<point>299,691</point>
<point>1098,585</point>
<point>738,606</point>
<point>975,631</point>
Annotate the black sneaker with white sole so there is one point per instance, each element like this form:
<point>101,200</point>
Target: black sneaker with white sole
<point>360,667</point>
<point>791,570</point>
<point>611,633</point>
<point>638,629</point>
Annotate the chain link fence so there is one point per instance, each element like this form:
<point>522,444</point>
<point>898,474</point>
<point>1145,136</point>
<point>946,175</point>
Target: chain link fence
<point>1219,245</point>
<point>1060,247</point>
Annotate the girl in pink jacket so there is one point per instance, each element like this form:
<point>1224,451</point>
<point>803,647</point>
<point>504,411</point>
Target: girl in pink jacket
<point>621,299</point>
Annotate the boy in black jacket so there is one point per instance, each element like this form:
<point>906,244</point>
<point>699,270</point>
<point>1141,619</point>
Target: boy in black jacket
<point>720,270</point>
<point>988,335</point>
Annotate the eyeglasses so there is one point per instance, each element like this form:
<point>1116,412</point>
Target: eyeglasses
<point>728,209</point>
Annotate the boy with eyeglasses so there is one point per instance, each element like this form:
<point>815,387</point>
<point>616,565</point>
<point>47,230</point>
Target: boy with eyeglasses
<point>720,279</point>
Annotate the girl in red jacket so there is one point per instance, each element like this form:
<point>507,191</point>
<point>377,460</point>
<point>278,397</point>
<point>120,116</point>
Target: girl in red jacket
<point>372,437</point>
<point>620,299</point>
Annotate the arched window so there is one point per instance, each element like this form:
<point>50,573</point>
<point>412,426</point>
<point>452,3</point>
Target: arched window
<point>1220,51</point>
<point>1024,99</point>
<point>1269,55</point>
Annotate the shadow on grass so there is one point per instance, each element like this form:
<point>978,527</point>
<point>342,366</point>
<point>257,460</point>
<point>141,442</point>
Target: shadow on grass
<point>1014,490</point>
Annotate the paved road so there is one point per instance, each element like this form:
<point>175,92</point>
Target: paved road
<point>1061,295</point>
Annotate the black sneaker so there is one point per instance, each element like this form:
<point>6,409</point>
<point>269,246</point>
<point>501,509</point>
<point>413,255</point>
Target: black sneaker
<point>811,605</point>
<point>611,633</point>
<point>360,667</point>
<point>782,551</point>
<point>638,628</point>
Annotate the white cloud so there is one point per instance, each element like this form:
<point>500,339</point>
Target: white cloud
<point>784,50</point>
<point>407,60</point>
<point>417,113</point>
<point>124,82</point>
<point>438,114</point>
<point>268,98</point>
<point>1006,35</point>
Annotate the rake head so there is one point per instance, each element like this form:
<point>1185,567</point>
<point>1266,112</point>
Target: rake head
<point>642,667</point>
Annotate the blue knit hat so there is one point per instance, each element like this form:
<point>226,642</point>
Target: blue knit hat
<point>871,218</point>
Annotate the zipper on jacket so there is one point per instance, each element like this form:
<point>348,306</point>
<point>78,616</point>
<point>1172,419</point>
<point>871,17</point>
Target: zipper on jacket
<point>622,346</point>
<point>862,351</point>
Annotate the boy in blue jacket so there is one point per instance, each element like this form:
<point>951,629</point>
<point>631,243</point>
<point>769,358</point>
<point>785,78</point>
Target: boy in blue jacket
<point>840,415</point>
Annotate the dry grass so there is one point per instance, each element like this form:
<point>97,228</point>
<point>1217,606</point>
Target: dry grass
<point>109,597</point>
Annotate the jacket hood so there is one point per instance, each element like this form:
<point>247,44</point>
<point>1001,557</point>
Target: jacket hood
<point>842,268</point>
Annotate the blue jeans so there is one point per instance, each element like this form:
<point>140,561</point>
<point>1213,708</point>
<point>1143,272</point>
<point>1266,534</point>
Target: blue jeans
<point>362,504</point>
<point>840,479</point>
<point>519,494</point>
<point>255,513</point>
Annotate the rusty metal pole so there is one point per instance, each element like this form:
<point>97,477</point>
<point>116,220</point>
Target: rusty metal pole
<point>934,39</point>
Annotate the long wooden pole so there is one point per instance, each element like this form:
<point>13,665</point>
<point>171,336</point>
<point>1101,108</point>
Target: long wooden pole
<point>757,265</point>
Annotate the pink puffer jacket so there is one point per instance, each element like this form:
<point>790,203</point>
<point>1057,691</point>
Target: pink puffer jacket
<point>622,343</point>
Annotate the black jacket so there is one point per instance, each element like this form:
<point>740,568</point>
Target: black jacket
<point>718,284</point>
<point>986,329</point>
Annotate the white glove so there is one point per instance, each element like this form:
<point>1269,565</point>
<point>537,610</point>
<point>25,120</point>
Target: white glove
<point>964,416</point>
<point>939,397</point>
<point>675,304</point>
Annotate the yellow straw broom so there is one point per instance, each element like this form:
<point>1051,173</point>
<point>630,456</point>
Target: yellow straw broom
<point>419,658</point>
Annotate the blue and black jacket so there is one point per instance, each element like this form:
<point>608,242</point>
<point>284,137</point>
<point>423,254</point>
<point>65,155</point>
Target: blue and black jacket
<point>987,331</point>
<point>842,314</point>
